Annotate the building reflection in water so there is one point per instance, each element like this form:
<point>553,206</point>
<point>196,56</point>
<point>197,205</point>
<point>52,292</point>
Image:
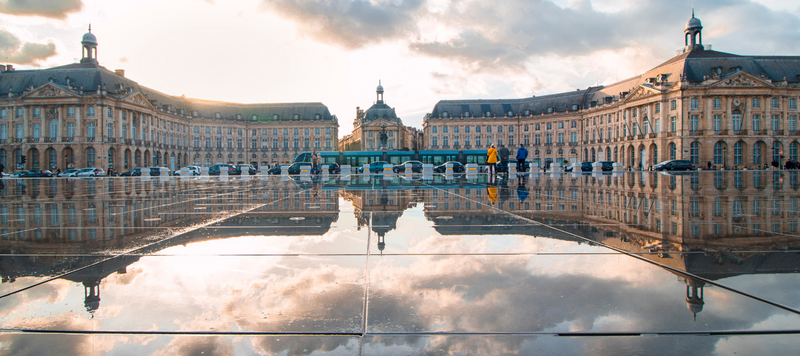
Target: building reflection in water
<point>712,225</point>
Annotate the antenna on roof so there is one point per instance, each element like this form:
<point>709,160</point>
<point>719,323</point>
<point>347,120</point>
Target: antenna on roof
<point>90,28</point>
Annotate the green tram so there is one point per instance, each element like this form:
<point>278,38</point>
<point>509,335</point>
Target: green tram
<point>360,158</point>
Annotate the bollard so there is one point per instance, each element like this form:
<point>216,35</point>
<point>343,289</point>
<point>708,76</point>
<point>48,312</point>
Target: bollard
<point>427,168</point>
<point>597,167</point>
<point>448,168</point>
<point>387,171</point>
<point>512,170</point>
<point>305,171</point>
<point>556,168</point>
<point>345,170</point>
<point>263,170</point>
<point>471,169</point>
<point>204,171</point>
<point>245,172</point>
<point>284,171</point>
<point>408,169</point>
<point>223,172</point>
<point>163,174</point>
<point>534,169</point>
<point>325,170</point>
<point>365,168</point>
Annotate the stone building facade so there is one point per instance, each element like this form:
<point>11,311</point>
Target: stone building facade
<point>83,115</point>
<point>710,107</point>
<point>379,119</point>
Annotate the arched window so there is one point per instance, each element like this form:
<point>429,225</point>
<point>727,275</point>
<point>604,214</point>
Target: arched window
<point>673,151</point>
<point>655,154</point>
<point>738,149</point>
<point>90,156</point>
<point>694,152</point>
<point>793,151</point>
<point>718,152</point>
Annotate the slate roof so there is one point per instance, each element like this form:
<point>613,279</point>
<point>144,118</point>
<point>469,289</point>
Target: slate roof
<point>87,77</point>
<point>691,65</point>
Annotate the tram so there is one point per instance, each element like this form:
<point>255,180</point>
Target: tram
<point>359,158</point>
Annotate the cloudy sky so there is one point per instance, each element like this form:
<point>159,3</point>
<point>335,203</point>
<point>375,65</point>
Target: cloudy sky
<point>335,51</point>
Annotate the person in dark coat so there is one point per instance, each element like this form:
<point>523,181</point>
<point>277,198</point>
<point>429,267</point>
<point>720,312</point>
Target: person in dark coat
<point>522,154</point>
<point>504,153</point>
<point>2,168</point>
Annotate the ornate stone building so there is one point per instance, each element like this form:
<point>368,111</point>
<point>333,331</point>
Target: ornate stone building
<point>84,115</point>
<point>730,110</point>
<point>370,126</point>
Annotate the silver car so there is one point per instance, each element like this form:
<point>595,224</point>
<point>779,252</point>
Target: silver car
<point>68,173</point>
<point>91,172</point>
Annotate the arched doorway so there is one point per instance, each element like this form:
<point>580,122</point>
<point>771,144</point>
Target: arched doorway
<point>653,155</point>
<point>33,158</point>
<point>137,158</point>
<point>126,158</point>
<point>720,150</point>
<point>629,157</point>
<point>759,154</point>
<point>642,158</point>
<point>111,158</point>
<point>52,158</point>
<point>608,154</point>
<point>172,162</point>
<point>593,157</point>
<point>146,158</point>
<point>91,157</point>
<point>616,154</point>
<point>69,157</point>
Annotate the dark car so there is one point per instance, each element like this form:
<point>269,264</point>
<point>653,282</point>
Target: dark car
<point>503,167</point>
<point>333,168</point>
<point>250,170</point>
<point>38,173</point>
<point>133,172</point>
<point>416,167</point>
<point>295,167</point>
<point>674,165</point>
<point>215,169</point>
<point>374,167</point>
<point>457,167</point>
<point>607,166</point>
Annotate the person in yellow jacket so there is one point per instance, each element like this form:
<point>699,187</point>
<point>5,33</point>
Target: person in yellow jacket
<point>492,160</point>
<point>492,194</point>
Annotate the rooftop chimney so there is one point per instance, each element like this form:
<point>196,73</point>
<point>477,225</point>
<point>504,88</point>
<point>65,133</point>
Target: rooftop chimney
<point>120,72</point>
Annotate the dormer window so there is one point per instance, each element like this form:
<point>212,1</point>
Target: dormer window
<point>444,114</point>
<point>238,116</point>
<point>466,113</point>
<point>276,117</point>
<point>510,113</point>
<point>296,117</point>
<point>527,112</point>
<point>317,116</point>
<point>217,115</point>
<point>550,110</point>
<point>574,107</point>
<point>255,118</point>
<point>488,114</point>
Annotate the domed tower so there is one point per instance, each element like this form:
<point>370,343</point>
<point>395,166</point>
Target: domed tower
<point>693,34</point>
<point>694,296</point>
<point>89,52</point>
<point>379,91</point>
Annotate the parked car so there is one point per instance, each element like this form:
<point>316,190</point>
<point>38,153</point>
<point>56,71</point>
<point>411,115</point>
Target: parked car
<point>37,173</point>
<point>68,173</point>
<point>674,165</point>
<point>132,173</point>
<point>457,167</point>
<point>608,166</point>
<point>215,169</point>
<point>334,168</point>
<point>295,167</point>
<point>502,168</point>
<point>193,171</point>
<point>250,169</point>
<point>416,167</point>
<point>91,172</point>
<point>374,167</point>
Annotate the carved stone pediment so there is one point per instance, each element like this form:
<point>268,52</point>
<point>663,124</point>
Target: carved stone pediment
<point>641,92</point>
<point>138,99</point>
<point>50,90</point>
<point>742,80</point>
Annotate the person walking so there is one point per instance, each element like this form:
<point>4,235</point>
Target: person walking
<point>491,159</point>
<point>504,158</point>
<point>522,154</point>
<point>316,160</point>
<point>2,168</point>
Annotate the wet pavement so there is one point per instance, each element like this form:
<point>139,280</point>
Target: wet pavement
<point>634,263</point>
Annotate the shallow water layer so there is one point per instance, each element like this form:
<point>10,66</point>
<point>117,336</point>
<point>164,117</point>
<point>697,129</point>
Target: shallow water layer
<point>596,264</point>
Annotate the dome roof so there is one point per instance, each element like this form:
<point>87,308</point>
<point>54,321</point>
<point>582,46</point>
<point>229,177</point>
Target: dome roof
<point>693,23</point>
<point>380,88</point>
<point>88,38</point>
<point>380,111</point>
